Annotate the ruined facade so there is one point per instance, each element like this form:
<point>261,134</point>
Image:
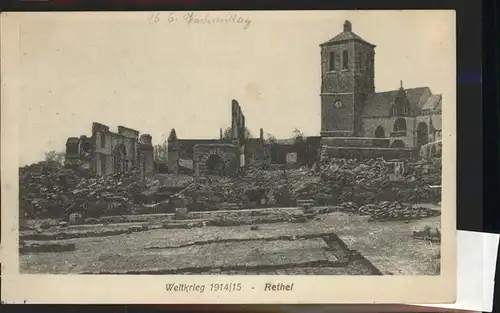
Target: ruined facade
<point>405,118</point>
<point>107,153</point>
<point>217,156</point>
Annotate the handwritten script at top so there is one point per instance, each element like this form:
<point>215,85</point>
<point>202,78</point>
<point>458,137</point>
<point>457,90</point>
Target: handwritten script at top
<point>199,18</point>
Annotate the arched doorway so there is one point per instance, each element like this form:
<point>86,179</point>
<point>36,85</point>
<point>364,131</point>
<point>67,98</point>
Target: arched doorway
<point>399,125</point>
<point>379,132</point>
<point>215,164</point>
<point>422,134</point>
<point>397,144</point>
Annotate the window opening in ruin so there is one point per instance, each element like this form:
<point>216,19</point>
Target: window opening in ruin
<point>86,147</point>
<point>72,149</point>
<point>121,163</point>
<point>215,164</point>
<point>103,165</point>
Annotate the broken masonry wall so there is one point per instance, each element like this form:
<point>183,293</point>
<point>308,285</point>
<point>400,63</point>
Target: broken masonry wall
<point>119,152</point>
<point>78,153</point>
<point>146,163</point>
<point>302,152</point>
<point>181,152</point>
<point>128,132</point>
<point>238,128</point>
<point>370,125</point>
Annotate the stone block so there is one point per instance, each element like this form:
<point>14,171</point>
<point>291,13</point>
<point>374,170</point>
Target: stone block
<point>181,213</point>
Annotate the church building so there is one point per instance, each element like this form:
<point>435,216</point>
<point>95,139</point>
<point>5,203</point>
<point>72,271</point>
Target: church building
<point>354,114</point>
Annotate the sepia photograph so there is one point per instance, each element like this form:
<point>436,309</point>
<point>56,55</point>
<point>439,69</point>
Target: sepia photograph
<point>230,151</point>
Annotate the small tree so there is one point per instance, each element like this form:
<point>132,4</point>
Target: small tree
<point>297,135</point>
<point>54,156</point>
<point>270,141</point>
<point>300,144</point>
<point>270,138</point>
<point>228,133</point>
<point>160,152</point>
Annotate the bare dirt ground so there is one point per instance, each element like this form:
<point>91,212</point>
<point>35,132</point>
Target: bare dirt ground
<point>326,244</point>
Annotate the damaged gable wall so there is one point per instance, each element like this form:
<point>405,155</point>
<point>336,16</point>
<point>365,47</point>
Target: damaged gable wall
<point>108,153</point>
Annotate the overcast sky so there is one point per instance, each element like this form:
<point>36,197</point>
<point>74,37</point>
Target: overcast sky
<point>155,74</point>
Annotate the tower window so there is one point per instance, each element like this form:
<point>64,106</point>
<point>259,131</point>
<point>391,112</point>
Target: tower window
<point>331,61</point>
<point>103,140</point>
<point>345,60</point>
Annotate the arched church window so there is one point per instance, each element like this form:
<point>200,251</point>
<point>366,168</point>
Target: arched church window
<point>400,125</point>
<point>331,61</point>
<point>345,60</point>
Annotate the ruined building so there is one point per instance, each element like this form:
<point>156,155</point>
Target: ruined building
<point>226,154</point>
<point>354,117</point>
<point>217,156</point>
<point>107,152</point>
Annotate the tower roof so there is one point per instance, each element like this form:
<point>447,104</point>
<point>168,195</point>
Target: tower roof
<point>346,35</point>
<point>172,136</point>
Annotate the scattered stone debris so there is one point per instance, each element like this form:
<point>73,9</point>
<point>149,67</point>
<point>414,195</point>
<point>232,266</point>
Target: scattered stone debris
<point>47,189</point>
<point>368,181</point>
<point>63,224</point>
<point>428,233</point>
<point>334,182</point>
<point>389,211</point>
<point>29,247</point>
<point>181,213</point>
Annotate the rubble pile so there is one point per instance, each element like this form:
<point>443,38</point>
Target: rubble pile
<point>368,181</point>
<point>393,211</point>
<point>110,195</point>
<point>42,188</point>
<point>382,211</point>
<point>256,188</point>
<point>47,189</point>
<point>332,182</point>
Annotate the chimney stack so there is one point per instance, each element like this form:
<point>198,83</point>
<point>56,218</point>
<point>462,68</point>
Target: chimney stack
<point>347,26</point>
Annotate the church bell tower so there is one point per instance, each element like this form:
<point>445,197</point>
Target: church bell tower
<point>347,79</point>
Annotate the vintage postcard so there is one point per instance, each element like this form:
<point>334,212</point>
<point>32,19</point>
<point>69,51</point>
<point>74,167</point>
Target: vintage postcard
<point>229,157</point>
